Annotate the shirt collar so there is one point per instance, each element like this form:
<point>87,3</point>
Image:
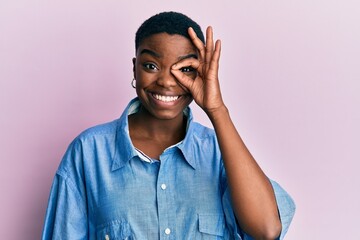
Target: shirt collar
<point>125,150</point>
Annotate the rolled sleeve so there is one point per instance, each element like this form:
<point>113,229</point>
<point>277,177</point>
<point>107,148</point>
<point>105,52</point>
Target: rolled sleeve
<point>286,207</point>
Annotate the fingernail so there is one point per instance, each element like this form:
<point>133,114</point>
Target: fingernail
<point>173,66</point>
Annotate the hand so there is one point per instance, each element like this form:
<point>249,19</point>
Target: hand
<point>205,88</point>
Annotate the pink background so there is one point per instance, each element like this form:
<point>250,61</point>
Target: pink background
<point>290,74</point>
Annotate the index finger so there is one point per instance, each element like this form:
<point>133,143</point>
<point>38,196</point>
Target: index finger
<point>197,42</point>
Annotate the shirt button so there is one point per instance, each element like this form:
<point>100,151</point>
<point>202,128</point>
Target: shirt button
<point>167,231</point>
<point>107,237</point>
<point>163,187</point>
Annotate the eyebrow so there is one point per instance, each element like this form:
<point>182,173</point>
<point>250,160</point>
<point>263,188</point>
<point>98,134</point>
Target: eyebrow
<point>155,54</point>
<point>152,53</point>
<point>191,55</point>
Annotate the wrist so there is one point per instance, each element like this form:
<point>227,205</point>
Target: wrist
<point>217,114</point>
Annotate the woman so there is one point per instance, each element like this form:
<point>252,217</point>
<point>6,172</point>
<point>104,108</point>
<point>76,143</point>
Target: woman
<point>156,174</point>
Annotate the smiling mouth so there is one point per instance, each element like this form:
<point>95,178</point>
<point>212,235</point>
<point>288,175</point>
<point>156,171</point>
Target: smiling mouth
<point>165,98</point>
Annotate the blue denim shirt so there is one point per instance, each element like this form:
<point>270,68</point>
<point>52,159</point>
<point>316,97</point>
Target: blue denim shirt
<point>103,190</point>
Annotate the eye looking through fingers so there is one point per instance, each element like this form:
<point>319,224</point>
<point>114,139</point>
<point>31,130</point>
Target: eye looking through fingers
<point>187,69</point>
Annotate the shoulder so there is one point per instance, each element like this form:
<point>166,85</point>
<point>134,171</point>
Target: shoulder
<point>201,131</point>
<point>100,130</point>
<point>203,136</point>
<point>86,147</point>
<point>202,141</point>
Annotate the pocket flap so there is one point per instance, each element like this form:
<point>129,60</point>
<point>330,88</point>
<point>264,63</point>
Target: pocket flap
<point>213,224</point>
<point>114,230</point>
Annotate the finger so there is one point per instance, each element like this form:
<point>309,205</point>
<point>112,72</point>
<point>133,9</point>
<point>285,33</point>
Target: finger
<point>197,42</point>
<point>214,64</point>
<point>183,79</point>
<point>209,44</point>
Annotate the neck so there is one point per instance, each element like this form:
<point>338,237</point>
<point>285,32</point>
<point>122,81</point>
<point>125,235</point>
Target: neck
<point>143,124</point>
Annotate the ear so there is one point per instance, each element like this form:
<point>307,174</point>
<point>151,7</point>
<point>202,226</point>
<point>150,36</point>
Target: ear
<point>134,67</point>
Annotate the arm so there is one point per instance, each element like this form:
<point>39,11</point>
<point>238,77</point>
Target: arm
<point>66,214</point>
<point>251,192</point>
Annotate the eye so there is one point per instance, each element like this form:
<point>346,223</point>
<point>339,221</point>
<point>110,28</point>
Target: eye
<point>187,69</point>
<point>150,66</point>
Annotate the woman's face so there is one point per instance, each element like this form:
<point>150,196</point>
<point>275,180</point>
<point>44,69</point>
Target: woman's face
<point>158,90</point>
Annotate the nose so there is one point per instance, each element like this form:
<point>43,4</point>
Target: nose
<point>166,79</point>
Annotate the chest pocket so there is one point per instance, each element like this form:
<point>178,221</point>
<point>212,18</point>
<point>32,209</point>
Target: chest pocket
<point>115,230</point>
<point>211,226</point>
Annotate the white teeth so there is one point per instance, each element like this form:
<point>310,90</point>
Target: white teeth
<point>165,98</point>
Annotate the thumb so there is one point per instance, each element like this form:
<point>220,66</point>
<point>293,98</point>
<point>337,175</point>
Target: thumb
<point>182,78</point>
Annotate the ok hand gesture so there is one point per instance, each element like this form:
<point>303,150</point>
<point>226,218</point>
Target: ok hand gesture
<point>205,88</point>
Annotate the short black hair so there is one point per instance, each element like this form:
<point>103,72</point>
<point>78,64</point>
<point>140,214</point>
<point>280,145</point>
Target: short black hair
<point>167,22</point>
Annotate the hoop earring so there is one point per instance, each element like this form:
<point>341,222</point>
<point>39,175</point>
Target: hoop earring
<point>133,83</point>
